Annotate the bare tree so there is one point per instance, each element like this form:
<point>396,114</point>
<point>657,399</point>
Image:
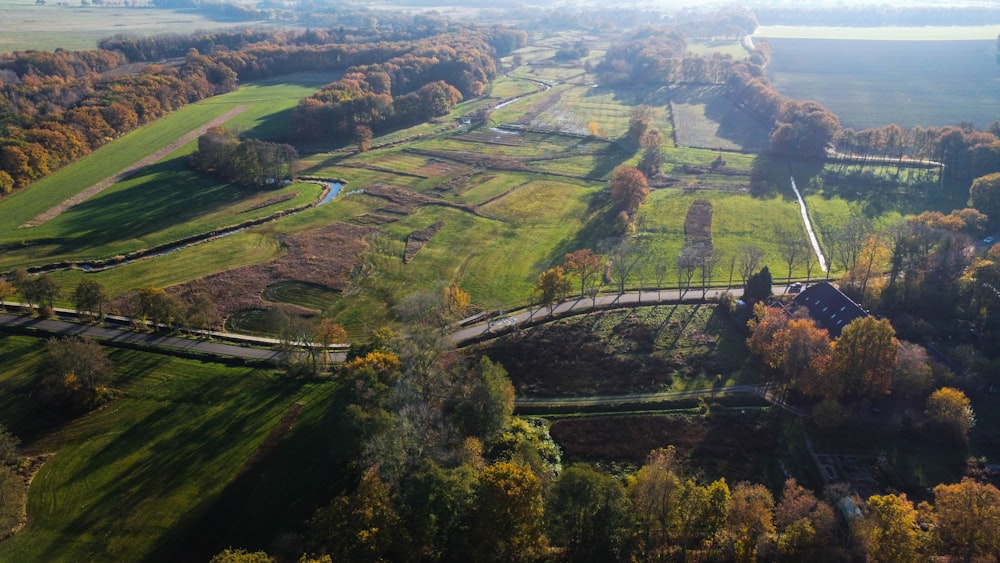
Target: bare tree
<point>660,271</point>
<point>849,241</point>
<point>686,266</point>
<point>792,248</point>
<point>623,261</point>
<point>750,258</point>
<point>708,259</point>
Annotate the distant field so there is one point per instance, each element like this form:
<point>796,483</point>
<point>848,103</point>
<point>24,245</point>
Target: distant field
<point>30,26</point>
<point>942,33</point>
<point>871,83</point>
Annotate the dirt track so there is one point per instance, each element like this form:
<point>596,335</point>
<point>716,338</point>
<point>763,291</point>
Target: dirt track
<point>108,182</point>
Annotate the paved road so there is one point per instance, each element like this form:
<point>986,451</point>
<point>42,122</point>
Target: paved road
<point>55,326</point>
<point>534,315</point>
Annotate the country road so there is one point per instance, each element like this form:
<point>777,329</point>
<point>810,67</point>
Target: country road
<point>154,340</point>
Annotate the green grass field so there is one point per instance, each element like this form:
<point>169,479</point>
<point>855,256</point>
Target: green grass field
<point>159,203</point>
<point>869,83</point>
<point>149,477</point>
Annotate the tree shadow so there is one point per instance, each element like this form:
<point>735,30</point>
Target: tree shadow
<point>163,195</point>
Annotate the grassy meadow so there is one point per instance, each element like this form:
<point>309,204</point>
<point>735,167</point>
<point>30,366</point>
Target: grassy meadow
<point>147,478</point>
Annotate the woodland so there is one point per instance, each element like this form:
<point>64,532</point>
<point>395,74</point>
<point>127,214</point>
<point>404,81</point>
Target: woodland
<point>410,448</point>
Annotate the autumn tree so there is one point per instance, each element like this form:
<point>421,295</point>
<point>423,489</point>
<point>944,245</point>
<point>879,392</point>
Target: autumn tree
<point>864,356</point>
<point>653,491</point>
<point>78,371</point>
<point>230,555</point>
<point>865,278</point>
<point>7,290</point>
<point>628,189</point>
<point>748,532</point>
<point>950,412</point>
<point>551,284</point>
<point>363,137</point>
<point>456,300</point>
<point>89,297</point>
<point>327,333</point>
<point>889,532</point>
<point>766,331</point>
<point>586,264</point>
<point>157,306</point>
<point>805,524</point>
<point>967,520</point>
<point>362,526</point>
<point>508,519</point>
<point>638,124</point>
<point>807,350</point>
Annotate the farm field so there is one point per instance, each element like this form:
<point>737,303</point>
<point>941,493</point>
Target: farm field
<point>28,25</point>
<point>148,479</point>
<point>869,83</point>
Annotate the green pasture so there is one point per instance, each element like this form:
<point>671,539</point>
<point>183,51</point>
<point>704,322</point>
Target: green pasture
<point>704,117</point>
<point>866,83</point>
<point>507,87</point>
<point>168,470</point>
<point>28,25</point>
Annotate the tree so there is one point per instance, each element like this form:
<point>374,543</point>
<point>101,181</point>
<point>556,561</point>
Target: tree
<point>984,195</point>
<point>792,248</point>
<point>157,306</point>
<point>231,555</point>
<point>889,531</point>
<point>7,290</point>
<point>864,356</point>
<point>551,284</point>
<point>767,328</point>
<point>329,333</point>
<point>750,257</point>
<point>653,491</point>
<point>758,286</point>
<point>363,137</point>
<point>41,290</point>
<point>486,408</point>
<point>748,531</point>
<point>9,454</point>
<point>967,520</point>
<point>623,261</point>
<point>949,410</point>
<point>89,297</point>
<point>628,189</point>
<point>849,241</point>
<point>78,370</point>
<point>201,312</point>
<point>805,524</point>
<point>585,264</point>
<point>588,512</point>
<point>638,124</point>
<point>508,521</point>
<point>455,299</point>
<point>807,350</point>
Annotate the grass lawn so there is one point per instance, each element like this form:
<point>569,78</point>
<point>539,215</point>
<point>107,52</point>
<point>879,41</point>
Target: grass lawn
<point>148,477</point>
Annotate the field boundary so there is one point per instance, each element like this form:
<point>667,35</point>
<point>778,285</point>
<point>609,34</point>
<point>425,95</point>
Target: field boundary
<point>99,187</point>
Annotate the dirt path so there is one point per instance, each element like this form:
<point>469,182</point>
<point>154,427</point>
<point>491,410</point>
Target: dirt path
<point>108,182</point>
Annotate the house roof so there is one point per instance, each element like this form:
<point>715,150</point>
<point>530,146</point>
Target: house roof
<point>830,308</point>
